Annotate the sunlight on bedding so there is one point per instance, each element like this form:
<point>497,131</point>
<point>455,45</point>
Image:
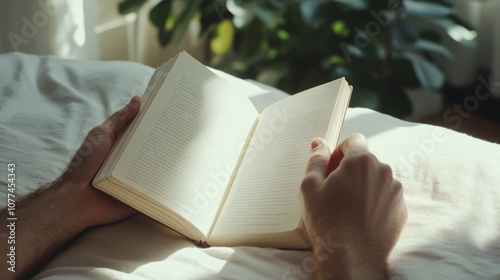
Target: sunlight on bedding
<point>451,184</point>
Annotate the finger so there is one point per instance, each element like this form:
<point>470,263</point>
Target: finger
<point>354,143</point>
<point>318,161</point>
<point>316,168</point>
<point>121,118</point>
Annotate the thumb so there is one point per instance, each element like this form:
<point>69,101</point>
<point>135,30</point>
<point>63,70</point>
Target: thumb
<point>116,122</point>
<point>355,142</point>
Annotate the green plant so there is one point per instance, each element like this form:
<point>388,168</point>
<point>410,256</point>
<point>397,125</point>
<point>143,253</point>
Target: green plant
<point>294,45</point>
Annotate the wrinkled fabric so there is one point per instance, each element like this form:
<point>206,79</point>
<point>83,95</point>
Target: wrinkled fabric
<point>451,183</point>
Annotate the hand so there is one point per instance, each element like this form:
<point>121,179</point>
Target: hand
<point>93,206</point>
<point>54,214</point>
<point>352,200</point>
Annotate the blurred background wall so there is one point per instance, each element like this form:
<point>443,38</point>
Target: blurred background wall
<point>95,30</point>
<point>63,28</point>
<point>82,29</point>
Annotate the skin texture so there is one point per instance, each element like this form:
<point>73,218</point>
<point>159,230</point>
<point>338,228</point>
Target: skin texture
<point>354,210</point>
<point>54,214</point>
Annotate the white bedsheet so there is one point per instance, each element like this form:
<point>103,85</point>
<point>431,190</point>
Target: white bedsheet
<point>451,182</point>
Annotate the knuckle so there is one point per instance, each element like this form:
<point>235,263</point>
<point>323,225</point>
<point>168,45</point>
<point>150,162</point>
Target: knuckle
<point>397,188</point>
<point>309,183</point>
<point>386,171</point>
<point>316,157</point>
<point>397,185</point>
<point>362,160</point>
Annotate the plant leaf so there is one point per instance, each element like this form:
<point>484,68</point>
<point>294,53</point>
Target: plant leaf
<point>430,46</point>
<point>164,36</point>
<point>129,6</point>
<point>308,10</point>
<point>405,34</point>
<point>269,17</point>
<point>353,4</point>
<point>349,51</point>
<point>278,4</point>
<point>250,43</point>
<point>159,14</point>
<point>185,17</point>
<point>427,9</point>
<point>223,39</point>
<point>242,14</point>
<point>462,35</point>
<point>428,74</point>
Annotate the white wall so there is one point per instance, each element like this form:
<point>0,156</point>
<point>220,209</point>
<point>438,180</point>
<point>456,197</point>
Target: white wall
<point>49,27</point>
<point>86,29</point>
<point>133,37</point>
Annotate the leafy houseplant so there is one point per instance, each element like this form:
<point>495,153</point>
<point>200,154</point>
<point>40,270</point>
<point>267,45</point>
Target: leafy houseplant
<point>293,45</point>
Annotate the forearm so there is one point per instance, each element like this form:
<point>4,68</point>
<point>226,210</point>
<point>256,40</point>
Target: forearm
<point>46,220</point>
<point>347,261</point>
<point>50,217</point>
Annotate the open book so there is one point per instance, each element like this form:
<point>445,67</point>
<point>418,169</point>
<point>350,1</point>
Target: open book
<point>200,159</point>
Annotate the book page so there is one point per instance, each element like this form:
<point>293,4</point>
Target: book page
<point>184,151</point>
<point>264,197</point>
